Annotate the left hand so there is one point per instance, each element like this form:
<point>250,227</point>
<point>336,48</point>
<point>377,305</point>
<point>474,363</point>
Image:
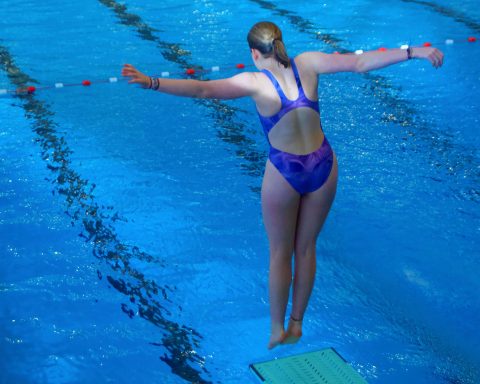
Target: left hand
<point>136,76</point>
<point>434,55</point>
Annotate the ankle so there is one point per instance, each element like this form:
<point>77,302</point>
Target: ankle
<point>277,327</point>
<point>295,319</point>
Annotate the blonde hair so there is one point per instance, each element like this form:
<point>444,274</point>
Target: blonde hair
<point>267,38</point>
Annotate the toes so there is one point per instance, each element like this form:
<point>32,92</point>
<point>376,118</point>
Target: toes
<point>274,344</point>
<point>276,341</point>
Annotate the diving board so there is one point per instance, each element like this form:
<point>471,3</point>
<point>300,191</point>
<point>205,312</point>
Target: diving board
<point>320,367</point>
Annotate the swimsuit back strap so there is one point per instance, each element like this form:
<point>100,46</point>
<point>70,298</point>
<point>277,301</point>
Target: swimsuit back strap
<point>276,84</point>
<point>297,76</point>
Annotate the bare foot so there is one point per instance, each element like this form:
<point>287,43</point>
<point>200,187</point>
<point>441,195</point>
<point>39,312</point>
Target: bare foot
<point>276,338</point>
<point>294,331</point>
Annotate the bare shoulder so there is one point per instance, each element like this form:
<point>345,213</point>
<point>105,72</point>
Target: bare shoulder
<point>250,80</point>
<point>321,63</point>
<point>246,80</point>
<point>257,79</point>
<point>311,56</point>
<point>310,60</point>
<point>240,85</point>
<point>246,76</point>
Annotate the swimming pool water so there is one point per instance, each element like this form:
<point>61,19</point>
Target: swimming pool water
<point>131,240</point>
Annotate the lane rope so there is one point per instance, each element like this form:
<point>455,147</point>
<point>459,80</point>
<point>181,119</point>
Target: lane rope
<point>193,71</point>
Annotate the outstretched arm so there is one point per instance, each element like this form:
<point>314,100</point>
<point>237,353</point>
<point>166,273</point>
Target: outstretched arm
<point>369,60</point>
<point>243,84</point>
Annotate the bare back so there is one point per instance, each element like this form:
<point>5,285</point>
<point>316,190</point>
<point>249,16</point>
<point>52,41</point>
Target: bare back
<point>298,130</point>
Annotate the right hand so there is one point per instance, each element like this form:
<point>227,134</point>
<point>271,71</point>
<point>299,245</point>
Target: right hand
<point>136,76</point>
<point>434,55</point>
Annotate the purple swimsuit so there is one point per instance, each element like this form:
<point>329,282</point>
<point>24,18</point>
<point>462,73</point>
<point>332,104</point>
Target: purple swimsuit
<point>305,173</point>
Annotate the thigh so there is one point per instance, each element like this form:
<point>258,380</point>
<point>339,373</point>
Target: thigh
<point>280,204</point>
<point>313,211</point>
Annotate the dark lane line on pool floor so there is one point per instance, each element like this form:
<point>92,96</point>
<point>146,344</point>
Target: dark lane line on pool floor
<point>229,128</point>
<point>449,12</point>
<point>180,341</point>
<point>455,159</point>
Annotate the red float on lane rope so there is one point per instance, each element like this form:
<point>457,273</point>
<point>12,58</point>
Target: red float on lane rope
<point>427,44</point>
<point>382,49</point>
<point>190,71</point>
<point>31,89</point>
<point>240,65</point>
<point>86,83</point>
<point>472,39</point>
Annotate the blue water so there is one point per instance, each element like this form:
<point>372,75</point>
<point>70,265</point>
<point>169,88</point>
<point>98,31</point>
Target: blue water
<point>131,240</point>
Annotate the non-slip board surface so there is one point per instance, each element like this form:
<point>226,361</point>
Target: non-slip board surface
<point>320,367</point>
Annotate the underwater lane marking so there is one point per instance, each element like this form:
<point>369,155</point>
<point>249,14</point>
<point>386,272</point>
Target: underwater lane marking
<point>224,115</point>
<point>180,341</point>
<point>449,12</point>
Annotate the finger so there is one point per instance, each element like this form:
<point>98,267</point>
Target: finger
<point>440,58</point>
<point>129,67</point>
<point>127,72</point>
